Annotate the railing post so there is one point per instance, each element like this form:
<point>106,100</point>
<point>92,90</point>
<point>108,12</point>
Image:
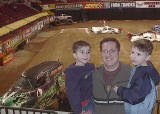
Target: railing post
<point>6,110</point>
<point>157,106</point>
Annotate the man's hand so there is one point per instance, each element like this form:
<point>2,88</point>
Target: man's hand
<point>115,88</point>
<point>86,112</point>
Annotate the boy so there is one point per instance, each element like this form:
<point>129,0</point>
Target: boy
<point>141,93</point>
<point>78,79</point>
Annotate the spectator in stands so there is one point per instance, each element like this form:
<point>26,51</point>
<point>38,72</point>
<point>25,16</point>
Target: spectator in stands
<point>141,93</point>
<point>106,75</point>
<point>78,80</point>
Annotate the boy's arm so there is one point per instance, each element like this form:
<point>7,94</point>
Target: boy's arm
<point>139,89</point>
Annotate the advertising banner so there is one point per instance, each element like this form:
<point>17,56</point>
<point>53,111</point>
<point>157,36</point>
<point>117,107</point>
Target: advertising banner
<point>51,6</point>
<point>48,6</point>
<point>147,4</point>
<point>33,28</point>
<point>69,6</point>
<point>8,58</point>
<point>16,40</point>
<point>45,21</point>
<point>40,25</point>
<point>27,32</point>
<point>5,48</point>
<point>123,4</point>
<point>45,7</point>
<point>94,5</point>
<point>106,5</point>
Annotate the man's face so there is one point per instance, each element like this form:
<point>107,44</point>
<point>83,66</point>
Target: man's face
<point>138,57</point>
<point>110,55</point>
<point>82,55</point>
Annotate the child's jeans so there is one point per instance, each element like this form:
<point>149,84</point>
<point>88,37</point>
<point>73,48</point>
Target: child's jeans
<point>89,106</point>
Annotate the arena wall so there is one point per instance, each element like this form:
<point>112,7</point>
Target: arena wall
<point>114,14</point>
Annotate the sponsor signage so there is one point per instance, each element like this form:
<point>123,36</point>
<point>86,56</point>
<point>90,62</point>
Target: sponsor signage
<point>69,6</point>
<point>123,4</point>
<point>27,32</point>
<point>5,48</point>
<point>8,58</point>
<point>94,5</point>
<point>45,7</point>
<point>16,40</point>
<point>48,6</point>
<point>106,5</point>
<point>147,4</point>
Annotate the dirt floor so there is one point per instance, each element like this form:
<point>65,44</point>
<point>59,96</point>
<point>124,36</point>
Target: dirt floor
<point>55,43</point>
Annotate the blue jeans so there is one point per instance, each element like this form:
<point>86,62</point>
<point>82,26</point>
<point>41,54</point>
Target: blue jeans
<point>89,106</point>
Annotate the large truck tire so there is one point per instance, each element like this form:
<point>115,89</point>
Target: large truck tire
<point>57,22</point>
<point>69,21</point>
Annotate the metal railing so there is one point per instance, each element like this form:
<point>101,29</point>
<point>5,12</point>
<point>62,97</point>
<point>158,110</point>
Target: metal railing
<point>157,107</point>
<point>16,110</point>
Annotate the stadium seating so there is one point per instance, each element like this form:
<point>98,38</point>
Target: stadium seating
<point>13,12</point>
<point>4,19</point>
<point>63,1</point>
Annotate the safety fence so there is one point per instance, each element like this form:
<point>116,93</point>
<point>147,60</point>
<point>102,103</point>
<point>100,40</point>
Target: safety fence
<point>158,107</point>
<point>16,110</point>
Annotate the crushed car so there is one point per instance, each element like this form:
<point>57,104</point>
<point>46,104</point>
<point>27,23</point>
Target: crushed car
<point>36,87</point>
<point>156,28</point>
<point>106,29</point>
<point>148,35</point>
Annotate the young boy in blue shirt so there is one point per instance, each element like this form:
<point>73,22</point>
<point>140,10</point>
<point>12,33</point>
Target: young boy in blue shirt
<point>141,93</point>
<point>78,79</point>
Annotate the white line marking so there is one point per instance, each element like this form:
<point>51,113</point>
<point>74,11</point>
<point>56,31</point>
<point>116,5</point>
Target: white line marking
<point>86,29</point>
<point>62,30</point>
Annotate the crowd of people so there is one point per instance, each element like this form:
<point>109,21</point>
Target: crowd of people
<point>114,87</point>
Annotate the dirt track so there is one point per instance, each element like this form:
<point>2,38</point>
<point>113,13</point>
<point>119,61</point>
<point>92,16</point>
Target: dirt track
<point>55,44</point>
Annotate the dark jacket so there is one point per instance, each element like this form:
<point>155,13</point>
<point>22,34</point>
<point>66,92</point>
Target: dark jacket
<point>79,85</point>
<point>140,84</point>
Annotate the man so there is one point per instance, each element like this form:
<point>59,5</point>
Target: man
<point>106,76</point>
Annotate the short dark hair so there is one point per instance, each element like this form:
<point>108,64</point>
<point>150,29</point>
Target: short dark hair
<point>144,45</point>
<point>110,39</point>
<point>79,44</point>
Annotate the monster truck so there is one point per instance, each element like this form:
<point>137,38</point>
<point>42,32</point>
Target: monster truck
<point>36,87</point>
<point>148,35</point>
<point>106,29</point>
<point>62,19</point>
